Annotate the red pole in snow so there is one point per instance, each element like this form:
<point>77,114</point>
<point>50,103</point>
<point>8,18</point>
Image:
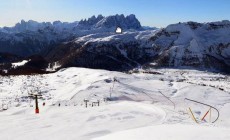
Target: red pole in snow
<point>205,115</point>
<point>35,97</point>
<point>36,105</point>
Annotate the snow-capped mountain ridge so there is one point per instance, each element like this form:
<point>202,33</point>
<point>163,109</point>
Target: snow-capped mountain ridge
<point>128,22</point>
<point>92,20</point>
<point>197,45</point>
<point>31,37</point>
<point>34,26</point>
<point>110,22</point>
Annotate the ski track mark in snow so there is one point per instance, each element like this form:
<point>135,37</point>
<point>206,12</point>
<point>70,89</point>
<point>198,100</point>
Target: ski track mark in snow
<point>71,86</point>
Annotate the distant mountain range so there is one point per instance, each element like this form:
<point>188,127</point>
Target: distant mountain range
<point>29,38</point>
<point>93,43</point>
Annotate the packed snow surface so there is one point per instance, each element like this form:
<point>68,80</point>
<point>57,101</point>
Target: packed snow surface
<point>170,132</point>
<point>144,105</point>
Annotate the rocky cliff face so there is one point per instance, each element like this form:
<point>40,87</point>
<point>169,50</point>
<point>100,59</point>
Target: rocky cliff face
<point>91,21</point>
<point>110,22</point>
<point>128,22</point>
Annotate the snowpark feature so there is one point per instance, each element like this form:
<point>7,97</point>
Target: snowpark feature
<point>143,105</point>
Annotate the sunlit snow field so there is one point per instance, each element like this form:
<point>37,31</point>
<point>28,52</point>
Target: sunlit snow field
<point>144,106</point>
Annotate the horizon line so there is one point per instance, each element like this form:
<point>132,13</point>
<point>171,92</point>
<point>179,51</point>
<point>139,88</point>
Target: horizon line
<point>52,21</point>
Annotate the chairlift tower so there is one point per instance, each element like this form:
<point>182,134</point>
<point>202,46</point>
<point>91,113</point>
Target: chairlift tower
<point>86,102</point>
<point>35,97</point>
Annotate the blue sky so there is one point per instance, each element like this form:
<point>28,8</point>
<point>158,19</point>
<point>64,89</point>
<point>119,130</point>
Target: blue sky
<point>157,13</point>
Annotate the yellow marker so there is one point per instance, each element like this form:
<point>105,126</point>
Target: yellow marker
<point>210,115</point>
<point>192,115</point>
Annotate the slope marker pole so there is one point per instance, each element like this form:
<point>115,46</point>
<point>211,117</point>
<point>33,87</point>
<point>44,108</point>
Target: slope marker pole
<point>193,115</point>
<point>210,115</point>
<point>205,115</point>
<point>36,105</point>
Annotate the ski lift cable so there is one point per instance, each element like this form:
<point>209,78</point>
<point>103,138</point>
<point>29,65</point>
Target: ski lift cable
<point>136,89</point>
<point>174,106</point>
<point>141,90</point>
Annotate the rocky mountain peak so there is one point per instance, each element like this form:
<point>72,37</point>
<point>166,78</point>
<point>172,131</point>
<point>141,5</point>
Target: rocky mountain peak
<point>91,21</point>
<point>128,22</point>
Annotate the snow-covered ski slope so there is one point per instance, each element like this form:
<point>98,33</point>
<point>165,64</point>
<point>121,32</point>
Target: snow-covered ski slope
<point>144,106</point>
